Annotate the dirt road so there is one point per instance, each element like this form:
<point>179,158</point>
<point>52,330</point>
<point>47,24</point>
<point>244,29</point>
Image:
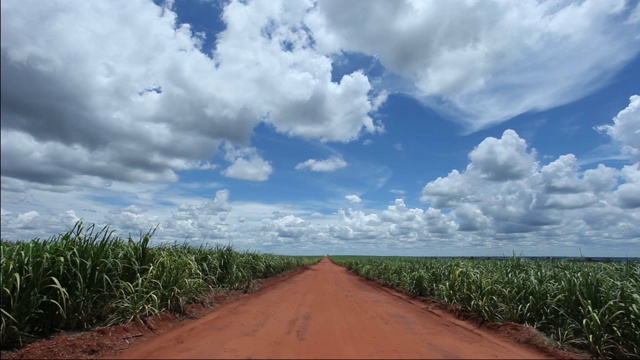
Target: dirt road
<point>326,312</point>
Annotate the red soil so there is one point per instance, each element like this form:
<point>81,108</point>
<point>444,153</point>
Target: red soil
<point>324,312</point>
<point>327,312</point>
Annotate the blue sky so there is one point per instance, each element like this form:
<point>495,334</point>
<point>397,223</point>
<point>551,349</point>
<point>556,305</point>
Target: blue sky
<point>299,127</point>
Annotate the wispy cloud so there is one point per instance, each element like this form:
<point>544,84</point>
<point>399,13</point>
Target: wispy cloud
<point>331,164</point>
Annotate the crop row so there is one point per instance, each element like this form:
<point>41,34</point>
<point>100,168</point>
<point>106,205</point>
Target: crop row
<point>588,305</point>
<point>88,277</point>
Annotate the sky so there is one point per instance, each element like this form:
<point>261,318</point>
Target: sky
<point>379,127</point>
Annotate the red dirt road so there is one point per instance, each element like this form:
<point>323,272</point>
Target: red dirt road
<point>327,312</point>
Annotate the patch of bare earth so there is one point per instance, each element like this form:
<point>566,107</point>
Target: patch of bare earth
<point>517,333</point>
<point>107,342</point>
<point>326,312</point>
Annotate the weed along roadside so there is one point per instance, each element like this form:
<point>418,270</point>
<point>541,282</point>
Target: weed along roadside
<point>90,277</point>
<point>328,312</point>
<point>592,306</point>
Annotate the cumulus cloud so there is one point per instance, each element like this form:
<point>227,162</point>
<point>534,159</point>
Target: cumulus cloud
<point>470,218</point>
<point>353,198</point>
<point>254,168</point>
<point>484,62</point>
<point>331,164</point>
<point>268,44</point>
<point>625,129</point>
<point>286,226</point>
<point>103,95</point>
<point>77,92</point>
<point>355,225</point>
<point>514,213</point>
<point>121,91</point>
<point>30,224</point>
<point>206,219</point>
<point>503,190</point>
<point>561,176</point>
<point>131,219</point>
<point>627,195</point>
<point>503,159</point>
<point>397,226</point>
<point>246,164</point>
<point>447,191</point>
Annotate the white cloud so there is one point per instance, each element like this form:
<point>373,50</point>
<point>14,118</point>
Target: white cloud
<point>134,98</point>
<point>267,56</point>
<point>503,159</point>
<point>355,225</point>
<point>104,104</point>
<point>26,220</point>
<point>503,191</point>
<point>246,164</point>
<point>445,192</point>
<point>561,176</point>
<point>395,227</point>
<point>627,196</point>
<point>331,164</point>
<point>471,218</point>
<point>510,214</point>
<point>77,92</point>
<point>399,212</point>
<point>482,62</point>
<point>118,91</point>
<point>353,198</point>
<point>255,169</point>
<point>287,226</point>
<point>130,219</point>
<point>625,129</point>
<point>201,221</point>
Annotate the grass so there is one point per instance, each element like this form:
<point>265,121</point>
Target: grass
<point>589,305</point>
<point>88,277</point>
